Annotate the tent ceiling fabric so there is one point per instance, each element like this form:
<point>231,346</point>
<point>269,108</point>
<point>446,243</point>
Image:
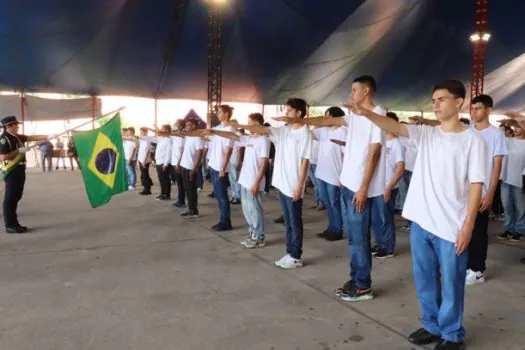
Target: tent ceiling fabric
<point>274,49</point>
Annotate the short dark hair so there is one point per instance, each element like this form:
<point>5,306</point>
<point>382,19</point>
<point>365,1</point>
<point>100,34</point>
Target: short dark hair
<point>393,116</point>
<point>486,100</point>
<point>335,112</point>
<point>131,129</point>
<point>227,109</point>
<point>167,126</point>
<point>258,117</point>
<point>455,87</point>
<point>298,104</point>
<point>367,80</point>
<point>465,121</point>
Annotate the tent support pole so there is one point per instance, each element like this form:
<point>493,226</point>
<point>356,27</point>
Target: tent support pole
<point>93,104</point>
<point>156,112</point>
<point>22,110</point>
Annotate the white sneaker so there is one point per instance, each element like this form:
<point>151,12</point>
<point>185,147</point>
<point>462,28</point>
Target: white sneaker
<point>131,188</point>
<point>254,243</point>
<point>474,277</point>
<point>287,262</point>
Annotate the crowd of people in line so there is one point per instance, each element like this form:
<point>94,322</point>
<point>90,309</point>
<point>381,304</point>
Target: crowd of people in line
<point>60,150</point>
<point>446,176</point>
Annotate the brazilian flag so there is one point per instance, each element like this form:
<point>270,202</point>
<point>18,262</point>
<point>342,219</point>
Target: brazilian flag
<point>101,157</point>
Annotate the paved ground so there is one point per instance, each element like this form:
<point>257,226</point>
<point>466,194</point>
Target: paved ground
<point>133,275</point>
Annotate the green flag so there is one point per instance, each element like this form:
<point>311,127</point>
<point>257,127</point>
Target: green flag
<point>101,157</point>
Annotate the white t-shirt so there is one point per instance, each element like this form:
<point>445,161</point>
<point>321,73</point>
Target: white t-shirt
<point>144,152</point>
<point>361,133</point>
<point>129,148</point>
<point>291,147</point>
<point>192,147</point>
<point>217,147</point>
<point>255,149</point>
<point>234,159</point>
<point>410,153</point>
<point>315,152</point>
<point>163,150</point>
<point>496,146</point>
<point>177,145</point>
<point>330,161</point>
<point>514,163</point>
<point>447,163</point>
<point>394,154</point>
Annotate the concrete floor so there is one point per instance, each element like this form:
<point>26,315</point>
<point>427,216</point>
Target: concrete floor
<point>133,275</point>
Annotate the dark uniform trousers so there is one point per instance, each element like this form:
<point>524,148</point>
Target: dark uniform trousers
<point>145,179</point>
<point>164,180</point>
<point>14,188</point>
<point>176,177</point>
<point>191,190</point>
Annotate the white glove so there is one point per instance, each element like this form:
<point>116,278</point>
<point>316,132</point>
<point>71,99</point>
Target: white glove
<point>23,150</point>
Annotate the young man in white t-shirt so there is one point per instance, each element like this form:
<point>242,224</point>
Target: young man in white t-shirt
<point>162,159</point>
<point>190,168</point>
<point>293,148</point>
<point>177,146</point>
<point>144,160</point>
<point>395,167</point>
<point>130,153</point>
<point>252,179</point>
<point>329,166</point>
<point>443,202</point>
<point>362,186</point>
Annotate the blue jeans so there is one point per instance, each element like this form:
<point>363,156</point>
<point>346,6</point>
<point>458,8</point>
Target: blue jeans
<point>439,275</point>
<point>383,222</point>
<point>221,195</point>
<point>332,199</point>
<point>293,221</point>
<point>131,170</point>
<point>317,193</point>
<point>253,212</point>
<point>514,208</point>
<point>357,227</point>
<point>233,176</point>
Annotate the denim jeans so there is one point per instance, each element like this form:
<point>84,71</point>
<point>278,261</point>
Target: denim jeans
<point>131,170</point>
<point>332,200</point>
<point>253,212</point>
<point>293,221</point>
<point>315,182</point>
<point>514,208</point>
<point>233,177</point>
<point>383,222</point>
<point>221,195</point>
<point>357,227</point>
<point>46,156</point>
<point>439,275</point>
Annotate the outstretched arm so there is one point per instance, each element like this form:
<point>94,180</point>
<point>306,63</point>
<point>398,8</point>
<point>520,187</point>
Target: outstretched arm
<point>317,121</point>
<point>225,134</point>
<point>381,121</point>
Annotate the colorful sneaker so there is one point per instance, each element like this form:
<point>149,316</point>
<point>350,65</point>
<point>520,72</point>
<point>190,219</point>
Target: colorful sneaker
<point>357,294</point>
<point>347,286</point>
<point>254,243</point>
<point>474,277</point>
<point>287,262</point>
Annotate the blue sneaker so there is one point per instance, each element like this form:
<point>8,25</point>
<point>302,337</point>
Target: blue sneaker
<point>178,205</point>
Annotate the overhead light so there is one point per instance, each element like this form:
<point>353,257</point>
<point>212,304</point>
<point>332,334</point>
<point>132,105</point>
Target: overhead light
<point>485,37</point>
<point>475,37</point>
<point>480,36</point>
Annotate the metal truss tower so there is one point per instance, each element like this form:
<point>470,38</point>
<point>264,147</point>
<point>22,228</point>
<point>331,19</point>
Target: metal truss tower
<point>215,53</point>
<point>479,41</point>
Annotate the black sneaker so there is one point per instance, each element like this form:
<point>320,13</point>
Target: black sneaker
<point>323,234</point>
<point>145,192</point>
<point>375,249</point>
<point>222,226</point>
<point>505,235</point>
<point>211,195</point>
<point>235,201</point>
<point>334,236</point>
<point>423,337</point>
<point>382,254</point>
<point>279,220</point>
<point>522,260</point>
<point>159,196</point>
<point>165,198</point>
<point>515,238</point>
<point>14,230</point>
<point>449,345</point>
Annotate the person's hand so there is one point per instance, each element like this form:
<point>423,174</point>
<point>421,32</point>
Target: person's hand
<point>359,200</point>
<point>486,202</point>
<point>254,189</point>
<point>355,108</point>
<point>388,195</point>
<point>207,132</point>
<point>518,117</point>
<point>164,167</point>
<point>297,193</point>
<point>463,239</point>
<point>509,122</point>
<point>23,150</point>
<point>193,173</point>
<point>222,173</point>
<point>286,119</point>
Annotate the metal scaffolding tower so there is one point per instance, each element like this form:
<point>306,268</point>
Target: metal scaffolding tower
<point>479,41</point>
<point>215,52</point>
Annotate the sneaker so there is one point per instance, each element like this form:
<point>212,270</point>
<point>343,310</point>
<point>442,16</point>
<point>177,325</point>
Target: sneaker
<point>321,207</point>
<point>474,277</point>
<point>222,226</point>
<point>188,215</point>
<point>287,262</point>
<point>449,345</point>
<point>334,236</point>
<point>235,201</point>
<point>323,234</point>
<point>145,192</point>
<point>211,195</point>
<point>423,337</point>
<point>254,243</point>
<point>375,249</point>
<point>515,238</point>
<point>347,286</point>
<point>357,294</point>
<point>178,205</point>
<point>246,240</point>
<point>505,235</point>
<point>160,197</point>
<point>165,198</point>
<point>279,220</point>
<point>382,254</point>
<point>131,188</point>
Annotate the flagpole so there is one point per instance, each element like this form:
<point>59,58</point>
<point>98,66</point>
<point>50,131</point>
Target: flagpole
<point>79,126</point>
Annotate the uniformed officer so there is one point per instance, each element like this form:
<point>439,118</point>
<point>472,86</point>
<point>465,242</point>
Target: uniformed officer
<point>12,155</point>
